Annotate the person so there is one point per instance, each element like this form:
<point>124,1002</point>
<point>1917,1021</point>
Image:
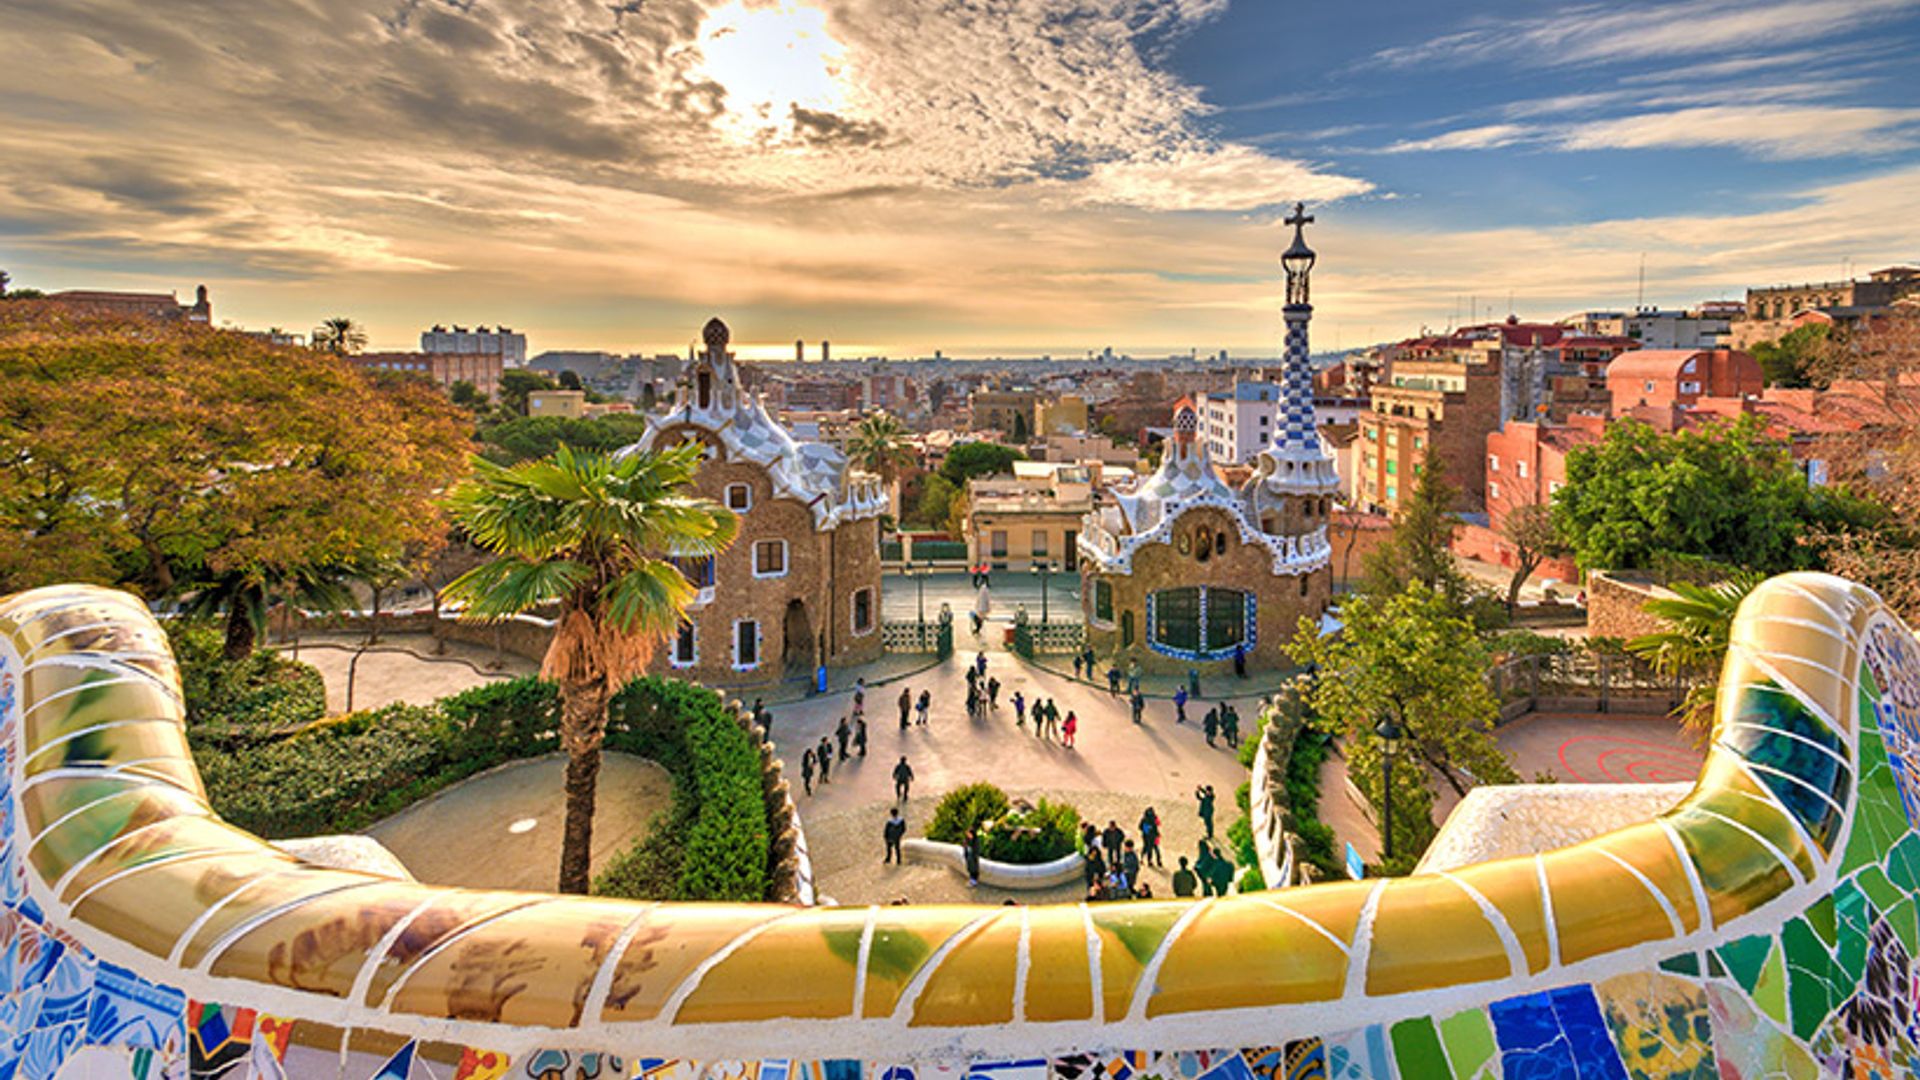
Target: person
<point>970,848</point>
<point>1180,705</point>
<point>902,780</point>
<point>1203,868</point>
<point>1111,839</point>
<point>1204,795</point>
<point>993,693</point>
<point>1096,866</point>
<point>1142,891</point>
<point>860,735</point>
<point>1079,664</point>
<point>895,831</point>
<point>980,662</point>
<point>1193,682</point>
<point>1230,725</point>
<point>906,705</point>
<point>859,696</point>
<point>823,756</point>
<point>1089,836</point>
<point>1117,887</point>
<point>1150,837</point>
<point>1113,679</point>
<point>1222,874</point>
<point>1130,864</point>
<point>841,733</point>
<point>806,771</point>
<point>974,616</point>
<point>1019,710</point>
<point>1133,676</point>
<point>973,700</point>
<point>1139,706</point>
<point>1069,729</point>
<point>1096,890</point>
<point>925,703</point>
<point>1210,723</point>
<point>1240,659</point>
<point>1184,881</point>
<point>1087,655</point>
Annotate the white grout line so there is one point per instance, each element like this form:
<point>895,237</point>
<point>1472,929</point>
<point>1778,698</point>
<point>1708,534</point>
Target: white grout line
<point>1516,956</point>
<point>1703,909</point>
<point>1023,965</point>
<point>670,1011</point>
<point>910,995</point>
<point>1551,924</point>
<point>1362,954</point>
<point>861,956</point>
<point>369,968</point>
<point>1673,915</point>
<point>1150,974</point>
<point>1093,964</point>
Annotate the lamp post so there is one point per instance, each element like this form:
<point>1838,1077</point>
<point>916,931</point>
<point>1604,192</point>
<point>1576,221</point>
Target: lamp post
<point>1390,734</point>
<point>1043,571</point>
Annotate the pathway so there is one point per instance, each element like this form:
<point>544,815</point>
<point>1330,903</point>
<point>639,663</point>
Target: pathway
<point>402,667</point>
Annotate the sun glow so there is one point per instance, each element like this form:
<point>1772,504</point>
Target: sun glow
<point>771,58</point>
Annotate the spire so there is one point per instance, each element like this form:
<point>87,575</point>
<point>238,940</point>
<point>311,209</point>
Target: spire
<point>1297,434</point>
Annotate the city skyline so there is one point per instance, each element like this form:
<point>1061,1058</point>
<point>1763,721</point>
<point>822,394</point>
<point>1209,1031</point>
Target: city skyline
<point>1009,179</point>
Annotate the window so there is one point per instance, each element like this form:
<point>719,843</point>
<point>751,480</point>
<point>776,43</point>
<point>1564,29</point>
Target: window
<point>1493,489</point>
<point>698,570</point>
<point>1199,623</point>
<point>746,645</point>
<point>1493,462</point>
<point>1103,601</point>
<point>1039,543</point>
<point>739,498</point>
<point>770,558</point>
<point>1553,486</point>
<point>1647,387</point>
<point>863,611</point>
<point>1520,469</point>
<point>686,645</point>
<point>1393,467</point>
<point>999,543</point>
<point>1176,619</point>
<point>1226,619</point>
<point>1689,387</point>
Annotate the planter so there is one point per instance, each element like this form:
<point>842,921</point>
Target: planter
<point>1046,875</point>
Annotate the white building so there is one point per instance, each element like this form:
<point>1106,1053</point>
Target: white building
<point>486,341</point>
<point>1238,425</point>
<point>1656,329</point>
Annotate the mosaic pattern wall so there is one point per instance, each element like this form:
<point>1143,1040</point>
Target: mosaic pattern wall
<point>1764,927</point>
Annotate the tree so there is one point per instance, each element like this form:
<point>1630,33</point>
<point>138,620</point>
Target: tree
<point>1420,549</point>
<point>1792,360</point>
<point>968,460</point>
<point>570,381</point>
<point>466,395</point>
<point>514,387</point>
<point>1022,432</point>
<point>959,508</point>
<point>591,535</point>
<point>1726,491</point>
<point>1699,624</point>
<point>1412,656</point>
<point>340,336</point>
<point>878,444</point>
<point>525,438</point>
<point>1535,539</point>
<point>936,500</point>
<point>185,460</point>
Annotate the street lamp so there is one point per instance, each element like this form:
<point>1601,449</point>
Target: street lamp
<point>1390,735</point>
<point>1043,571</point>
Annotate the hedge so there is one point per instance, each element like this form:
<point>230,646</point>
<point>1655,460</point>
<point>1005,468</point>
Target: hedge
<point>263,697</point>
<point>343,774</point>
<point>1037,834</point>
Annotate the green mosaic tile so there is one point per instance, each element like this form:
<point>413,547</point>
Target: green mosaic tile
<point>1469,1040</point>
<point>1811,995</point>
<point>1869,686</point>
<point>1744,958</point>
<point>1873,881</point>
<point>1770,989</point>
<point>1416,1051</point>
<point>1856,920</point>
<point>1715,969</point>
<point>1906,925</point>
<point>1684,964</point>
<point>1903,864</point>
<point>1822,918</point>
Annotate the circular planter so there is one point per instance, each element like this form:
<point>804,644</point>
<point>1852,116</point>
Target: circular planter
<point>1046,875</point>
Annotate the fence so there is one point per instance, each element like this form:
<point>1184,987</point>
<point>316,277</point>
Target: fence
<point>1031,638</point>
<point>1583,681</point>
<point>918,637</point>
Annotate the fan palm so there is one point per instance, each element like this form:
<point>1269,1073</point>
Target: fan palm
<point>242,596</point>
<point>1699,622</point>
<point>591,534</point>
<point>878,444</point>
<point>340,336</point>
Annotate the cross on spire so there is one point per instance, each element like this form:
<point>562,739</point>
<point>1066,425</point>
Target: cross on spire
<point>1299,217</point>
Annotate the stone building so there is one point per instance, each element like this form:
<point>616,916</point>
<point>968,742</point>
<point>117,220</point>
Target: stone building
<point>1770,311</point>
<point>1186,570</point>
<point>800,587</point>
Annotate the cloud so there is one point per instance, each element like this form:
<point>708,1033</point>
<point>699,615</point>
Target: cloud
<point>1603,33</point>
<point>1228,178</point>
<point>1778,132</point>
<point>1486,137</point>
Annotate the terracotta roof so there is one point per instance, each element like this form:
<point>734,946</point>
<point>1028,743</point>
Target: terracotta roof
<point>1652,363</point>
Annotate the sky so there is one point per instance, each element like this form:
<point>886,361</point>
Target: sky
<point>975,176</point>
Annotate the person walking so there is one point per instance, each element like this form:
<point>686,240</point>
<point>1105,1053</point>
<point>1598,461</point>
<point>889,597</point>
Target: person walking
<point>1113,679</point>
<point>902,780</point>
<point>1130,865</point>
<point>893,833</point>
<point>970,849</point>
<point>860,735</point>
<point>1185,883</point>
<point>841,733</point>
<point>993,693</point>
<point>1053,719</point>
<point>1203,868</point>
<point>806,771</point>
<point>1150,837</point>
<point>1180,705</point>
<point>1087,655</point>
<point>1139,706</point>
<point>1079,664</point>
<point>973,701</point>
<point>1193,682</point>
<point>1210,723</point>
<point>1240,660</point>
<point>906,706</point>
<point>860,694</point>
<point>1111,838</point>
<point>1019,710</point>
<point>1133,676</point>
<point>823,757</point>
<point>1204,796</point>
<point>925,703</point>
<point>1230,725</point>
<point>1069,729</point>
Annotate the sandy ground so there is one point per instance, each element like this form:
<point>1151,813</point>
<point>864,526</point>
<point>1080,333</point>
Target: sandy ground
<point>501,830</point>
<point>402,667</point>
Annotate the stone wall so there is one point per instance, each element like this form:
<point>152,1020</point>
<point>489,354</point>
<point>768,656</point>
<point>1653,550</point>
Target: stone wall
<point>1614,605</point>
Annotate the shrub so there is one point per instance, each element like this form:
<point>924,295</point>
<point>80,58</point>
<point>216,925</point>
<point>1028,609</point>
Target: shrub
<point>263,697</point>
<point>965,807</point>
<point>1043,833</point>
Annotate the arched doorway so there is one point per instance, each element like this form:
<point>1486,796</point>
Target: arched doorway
<point>1126,628</point>
<point>797,639</point>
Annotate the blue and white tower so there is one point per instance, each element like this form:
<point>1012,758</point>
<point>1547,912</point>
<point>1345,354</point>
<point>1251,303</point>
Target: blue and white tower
<point>1299,462</point>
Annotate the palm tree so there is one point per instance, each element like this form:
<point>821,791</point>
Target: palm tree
<point>591,534</point>
<point>1699,622</point>
<point>879,445</point>
<point>241,596</point>
<point>340,336</point>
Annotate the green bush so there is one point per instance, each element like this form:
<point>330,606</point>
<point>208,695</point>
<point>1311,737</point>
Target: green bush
<point>963,808</point>
<point>263,697</point>
<point>1044,833</point>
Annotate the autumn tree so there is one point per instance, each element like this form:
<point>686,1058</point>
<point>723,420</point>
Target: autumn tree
<point>1530,529</point>
<point>1792,360</point>
<point>176,460</point>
